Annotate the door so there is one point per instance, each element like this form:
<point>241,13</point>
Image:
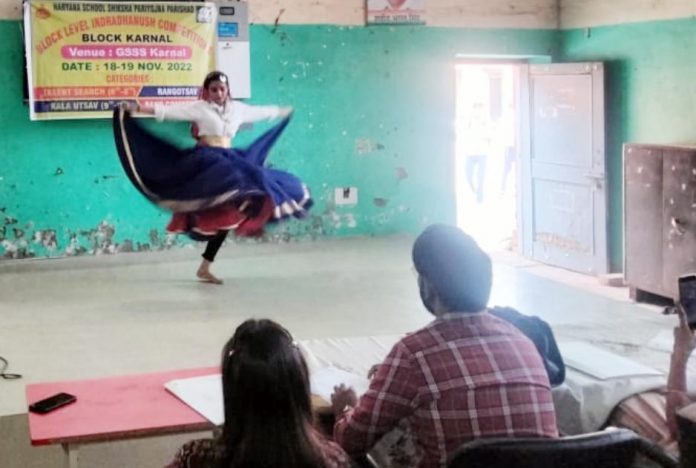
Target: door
<point>562,174</point>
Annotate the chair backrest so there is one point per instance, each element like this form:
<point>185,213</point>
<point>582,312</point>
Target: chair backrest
<point>612,448</point>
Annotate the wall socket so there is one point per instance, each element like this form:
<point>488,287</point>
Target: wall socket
<point>346,195</point>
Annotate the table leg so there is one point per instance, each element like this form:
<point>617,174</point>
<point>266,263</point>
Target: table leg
<point>72,455</point>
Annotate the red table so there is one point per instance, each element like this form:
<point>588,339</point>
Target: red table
<point>113,408</point>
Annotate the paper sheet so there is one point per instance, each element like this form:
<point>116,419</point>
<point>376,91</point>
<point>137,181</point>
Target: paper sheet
<point>203,394</point>
<point>601,364</point>
<point>323,381</point>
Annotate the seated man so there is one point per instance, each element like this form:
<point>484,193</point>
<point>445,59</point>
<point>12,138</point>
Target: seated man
<point>464,376</point>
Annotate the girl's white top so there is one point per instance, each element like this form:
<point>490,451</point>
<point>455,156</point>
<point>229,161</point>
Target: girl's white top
<point>215,120</point>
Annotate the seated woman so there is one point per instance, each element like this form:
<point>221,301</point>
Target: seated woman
<point>654,414</point>
<point>268,413</point>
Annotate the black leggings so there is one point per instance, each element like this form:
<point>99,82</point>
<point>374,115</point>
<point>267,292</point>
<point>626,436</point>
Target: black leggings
<point>214,244</point>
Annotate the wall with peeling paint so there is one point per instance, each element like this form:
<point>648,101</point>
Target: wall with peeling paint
<point>650,89</point>
<point>651,94</point>
<point>588,13</point>
<point>374,110</point>
<point>440,13</point>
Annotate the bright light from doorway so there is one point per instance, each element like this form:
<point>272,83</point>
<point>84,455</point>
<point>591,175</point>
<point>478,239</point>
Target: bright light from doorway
<point>486,128</point>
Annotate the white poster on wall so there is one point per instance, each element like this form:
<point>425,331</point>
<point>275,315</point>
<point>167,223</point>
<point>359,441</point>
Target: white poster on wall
<point>395,11</point>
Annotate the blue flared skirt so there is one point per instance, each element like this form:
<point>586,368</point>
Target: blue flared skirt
<point>196,180</point>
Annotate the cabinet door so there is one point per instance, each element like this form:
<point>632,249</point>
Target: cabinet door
<point>643,217</point>
<point>679,217</point>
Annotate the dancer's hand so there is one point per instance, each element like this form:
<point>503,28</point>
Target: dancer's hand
<point>285,112</point>
<point>128,106</point>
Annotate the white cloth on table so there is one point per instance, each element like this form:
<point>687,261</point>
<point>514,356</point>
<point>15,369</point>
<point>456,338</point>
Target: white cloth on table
<point>584,403</point>
<point>355,354</point>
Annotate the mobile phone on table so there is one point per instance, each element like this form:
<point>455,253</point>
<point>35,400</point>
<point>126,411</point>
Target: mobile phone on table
<point>52,403</point>
<point>687,297</point>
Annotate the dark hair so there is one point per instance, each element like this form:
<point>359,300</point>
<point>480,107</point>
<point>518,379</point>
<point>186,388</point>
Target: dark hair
<point>215,76</point>
<point>455,266</point>
<point>268,412</point>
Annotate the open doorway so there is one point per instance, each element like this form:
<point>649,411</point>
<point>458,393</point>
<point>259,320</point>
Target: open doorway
<point>487,153</point>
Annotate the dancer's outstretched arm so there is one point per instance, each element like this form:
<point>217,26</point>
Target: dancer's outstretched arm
<point>145,109</point>
<point>252,113</point>
<point>188,111</point>
<point>192,111</point>
<point>133,108</point>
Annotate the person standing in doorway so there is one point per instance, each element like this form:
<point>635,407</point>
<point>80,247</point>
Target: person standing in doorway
<point>476,136</point>
<point>508,134</point>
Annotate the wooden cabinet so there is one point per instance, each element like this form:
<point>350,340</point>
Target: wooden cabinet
<point>659,217</point>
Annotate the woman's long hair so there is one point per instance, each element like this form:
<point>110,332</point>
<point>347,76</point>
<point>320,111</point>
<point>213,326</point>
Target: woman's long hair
<point>268,413</point>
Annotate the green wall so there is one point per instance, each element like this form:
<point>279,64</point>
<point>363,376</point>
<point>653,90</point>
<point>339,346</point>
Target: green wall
<point>374,110</point>
<point>650,90</point>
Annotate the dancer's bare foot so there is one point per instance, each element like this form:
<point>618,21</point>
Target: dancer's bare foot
<point>204,274</point>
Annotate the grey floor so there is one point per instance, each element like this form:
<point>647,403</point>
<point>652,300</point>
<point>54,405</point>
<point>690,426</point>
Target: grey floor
<point>129,313</point>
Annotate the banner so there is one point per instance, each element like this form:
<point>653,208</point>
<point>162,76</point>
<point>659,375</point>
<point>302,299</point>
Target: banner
<point>84,57</point>
<point>395,11</point>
